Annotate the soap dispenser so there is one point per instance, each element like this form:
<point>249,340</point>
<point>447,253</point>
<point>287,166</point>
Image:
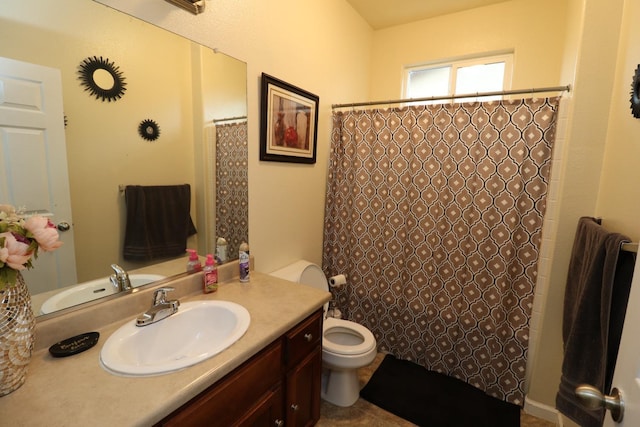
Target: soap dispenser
<point>193,265</point>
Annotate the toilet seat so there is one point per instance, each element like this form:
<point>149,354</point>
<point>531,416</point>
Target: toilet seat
<point>348,328</point>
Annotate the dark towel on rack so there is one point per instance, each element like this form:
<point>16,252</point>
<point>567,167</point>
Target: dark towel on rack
<point>595,303</point>
<point>158,221</point>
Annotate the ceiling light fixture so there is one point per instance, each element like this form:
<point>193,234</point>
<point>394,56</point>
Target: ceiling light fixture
<point>193,6</point>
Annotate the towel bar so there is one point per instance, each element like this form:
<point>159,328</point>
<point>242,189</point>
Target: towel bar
<point>630,247</point>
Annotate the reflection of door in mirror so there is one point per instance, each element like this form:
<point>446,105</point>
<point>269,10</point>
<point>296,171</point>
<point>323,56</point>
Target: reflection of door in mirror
<point>33,157</point>
<point>166,83</point>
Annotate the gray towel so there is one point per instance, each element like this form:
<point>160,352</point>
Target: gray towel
<point>595,302</point>
<point>158,221</point>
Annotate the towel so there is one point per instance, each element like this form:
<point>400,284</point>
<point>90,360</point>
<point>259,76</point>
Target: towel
<point>595,303</point>
<point>158,221</point>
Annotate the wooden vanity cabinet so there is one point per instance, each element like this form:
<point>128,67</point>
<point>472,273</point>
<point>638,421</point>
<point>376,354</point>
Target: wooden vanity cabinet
<point>303,366</point>
<point>279,386</point>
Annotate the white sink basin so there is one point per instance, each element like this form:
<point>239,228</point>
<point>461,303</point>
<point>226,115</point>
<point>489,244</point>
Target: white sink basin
<point>198,331</point>
<point>89,291</point>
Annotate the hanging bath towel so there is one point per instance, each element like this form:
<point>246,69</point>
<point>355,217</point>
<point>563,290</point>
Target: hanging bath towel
<point>595,303</point>
<point>158,221</point>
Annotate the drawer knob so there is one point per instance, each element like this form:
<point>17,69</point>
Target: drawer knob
<point>279,423</point>
<point>294,407</point>
<point>308,337</point>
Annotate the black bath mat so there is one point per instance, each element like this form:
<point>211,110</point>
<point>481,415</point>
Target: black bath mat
<point>430,399</point>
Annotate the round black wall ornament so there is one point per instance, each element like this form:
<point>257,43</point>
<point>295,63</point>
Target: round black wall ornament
<point>102,78</point>
<point>635,94</point>
<point>149,130</point>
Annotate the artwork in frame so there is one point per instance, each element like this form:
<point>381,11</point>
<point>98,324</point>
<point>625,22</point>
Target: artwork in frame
<point>288,122</point>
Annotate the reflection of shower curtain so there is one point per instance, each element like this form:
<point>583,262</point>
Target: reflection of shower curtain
<point>232,194</point>
<point>435,214</point>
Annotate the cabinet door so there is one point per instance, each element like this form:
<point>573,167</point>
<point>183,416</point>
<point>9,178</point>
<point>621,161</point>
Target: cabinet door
<point>266,413</point>
<point>303,391</point>
<point>235,395</point>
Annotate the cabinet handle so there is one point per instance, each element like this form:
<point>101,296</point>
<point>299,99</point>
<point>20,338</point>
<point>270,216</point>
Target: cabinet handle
<point>294,407</point>
<point>308,337</point>
<point>279,423</point>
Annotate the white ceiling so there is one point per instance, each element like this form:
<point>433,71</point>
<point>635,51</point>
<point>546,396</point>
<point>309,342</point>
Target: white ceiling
<point>386,13</point>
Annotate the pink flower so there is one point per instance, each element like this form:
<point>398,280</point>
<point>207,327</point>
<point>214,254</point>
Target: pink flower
<point>44,232</point>
<point>15,254</point>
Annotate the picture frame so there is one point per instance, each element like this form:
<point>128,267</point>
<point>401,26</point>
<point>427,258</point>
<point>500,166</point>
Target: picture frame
<point>288,122</point>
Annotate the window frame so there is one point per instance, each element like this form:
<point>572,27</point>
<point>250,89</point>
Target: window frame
<point>456,64</point>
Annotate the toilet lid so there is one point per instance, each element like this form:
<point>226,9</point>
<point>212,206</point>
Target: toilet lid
<point>368,343</point>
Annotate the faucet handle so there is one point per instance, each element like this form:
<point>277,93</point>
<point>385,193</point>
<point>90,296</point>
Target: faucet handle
<point>117,269</point>
<point>160,295</point>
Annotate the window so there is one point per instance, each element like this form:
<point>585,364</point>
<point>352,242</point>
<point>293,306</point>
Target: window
<point>487,74</point>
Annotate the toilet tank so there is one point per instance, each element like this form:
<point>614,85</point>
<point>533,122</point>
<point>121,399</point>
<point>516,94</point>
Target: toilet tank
<point>303,272</point>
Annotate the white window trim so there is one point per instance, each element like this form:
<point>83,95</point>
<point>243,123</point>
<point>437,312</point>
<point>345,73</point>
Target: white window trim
<point>507,58</point>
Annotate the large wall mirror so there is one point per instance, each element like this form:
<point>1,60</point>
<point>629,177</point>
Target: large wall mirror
<point>189,96</point>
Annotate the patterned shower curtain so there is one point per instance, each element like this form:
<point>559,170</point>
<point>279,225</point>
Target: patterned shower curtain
<point>232,194</point>
<point>435,213</point>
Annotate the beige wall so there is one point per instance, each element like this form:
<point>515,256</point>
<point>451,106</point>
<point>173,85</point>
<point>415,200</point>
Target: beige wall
<point>618,200</point>
<point>533,31</point>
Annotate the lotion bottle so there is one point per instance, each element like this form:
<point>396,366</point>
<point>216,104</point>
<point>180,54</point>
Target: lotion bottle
<point>210,277</point>
<point>243,261</point>
<point>193,265</point>
<point>221,250</point>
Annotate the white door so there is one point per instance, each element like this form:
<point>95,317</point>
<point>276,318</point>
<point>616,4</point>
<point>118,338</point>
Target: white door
<point>33,161</point>
<point>627,375</point>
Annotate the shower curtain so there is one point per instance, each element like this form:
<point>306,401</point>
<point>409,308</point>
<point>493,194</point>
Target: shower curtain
<point>232,186</point>
<point>435,213</point>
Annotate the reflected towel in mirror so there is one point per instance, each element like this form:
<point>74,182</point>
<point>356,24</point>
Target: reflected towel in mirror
<point>158,221</point>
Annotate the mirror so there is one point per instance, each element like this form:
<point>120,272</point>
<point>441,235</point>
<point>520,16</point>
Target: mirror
<point>160,131</point>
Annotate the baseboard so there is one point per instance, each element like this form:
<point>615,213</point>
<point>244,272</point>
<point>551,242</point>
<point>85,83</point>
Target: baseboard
<point>540,410</point>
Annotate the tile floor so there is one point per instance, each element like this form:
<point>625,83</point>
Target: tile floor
<point>363,413</point>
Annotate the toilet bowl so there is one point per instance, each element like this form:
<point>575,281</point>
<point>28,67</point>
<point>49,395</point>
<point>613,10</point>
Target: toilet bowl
<point>346,345</point>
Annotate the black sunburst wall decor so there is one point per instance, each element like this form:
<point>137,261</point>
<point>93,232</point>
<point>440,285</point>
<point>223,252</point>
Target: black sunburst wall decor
<point>92,64</point>
<point>149,130</point>
<point>635,94</point>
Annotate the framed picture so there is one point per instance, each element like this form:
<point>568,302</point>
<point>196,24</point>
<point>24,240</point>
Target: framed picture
<point>288,122</point>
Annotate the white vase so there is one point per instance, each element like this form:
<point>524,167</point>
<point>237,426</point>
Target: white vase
<point>17,335</point>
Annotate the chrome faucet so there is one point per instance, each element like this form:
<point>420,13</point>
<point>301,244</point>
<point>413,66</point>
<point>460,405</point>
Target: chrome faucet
<point>120,279</point>
<point>160,309</point>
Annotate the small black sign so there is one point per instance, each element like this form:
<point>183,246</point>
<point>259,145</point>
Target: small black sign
<point>74,345</point>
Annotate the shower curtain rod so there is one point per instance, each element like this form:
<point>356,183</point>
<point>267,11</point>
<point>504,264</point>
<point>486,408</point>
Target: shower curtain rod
<point>566,88</point>
<point>229,119</point>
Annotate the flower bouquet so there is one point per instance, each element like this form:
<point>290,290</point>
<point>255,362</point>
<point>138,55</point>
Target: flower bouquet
<point>20,240</point>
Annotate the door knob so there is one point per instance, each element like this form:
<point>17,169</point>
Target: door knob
<point>63,226</point>
<point>591,398</point>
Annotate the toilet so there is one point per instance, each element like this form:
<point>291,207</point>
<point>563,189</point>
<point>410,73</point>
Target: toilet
<point>346,345</point>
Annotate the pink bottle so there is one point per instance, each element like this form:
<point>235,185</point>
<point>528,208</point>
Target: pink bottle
<point>210,277</point>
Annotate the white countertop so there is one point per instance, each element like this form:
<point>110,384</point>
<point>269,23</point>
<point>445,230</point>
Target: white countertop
<point>76,391</point>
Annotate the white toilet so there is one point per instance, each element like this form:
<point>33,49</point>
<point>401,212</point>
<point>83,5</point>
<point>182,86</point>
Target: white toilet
<point>346,345</point>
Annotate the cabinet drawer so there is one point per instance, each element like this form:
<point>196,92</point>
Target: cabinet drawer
<point>231,397</point>
<point>303,339</point>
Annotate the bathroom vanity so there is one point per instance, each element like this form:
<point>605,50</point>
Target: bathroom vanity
<point>270,376</point>
<point>278,386</point>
